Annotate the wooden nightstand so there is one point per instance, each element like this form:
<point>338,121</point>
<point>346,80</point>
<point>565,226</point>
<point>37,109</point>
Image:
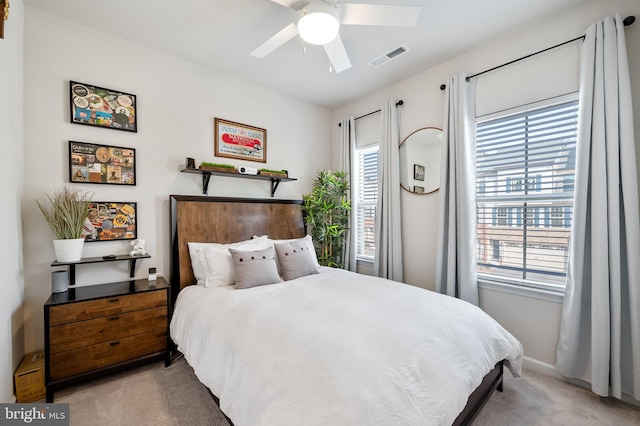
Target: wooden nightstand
<point>95,330</point>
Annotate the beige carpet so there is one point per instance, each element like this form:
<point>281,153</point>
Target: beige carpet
<point>154,395</point>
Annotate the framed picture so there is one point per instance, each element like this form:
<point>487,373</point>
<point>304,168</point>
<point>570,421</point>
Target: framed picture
<point>97,106</point>
<point>92,163</point>
<point>418,172</point>
<point>418,189</point>
<point>4,15</point>
<point>111,220</point>
<point>235,140</point>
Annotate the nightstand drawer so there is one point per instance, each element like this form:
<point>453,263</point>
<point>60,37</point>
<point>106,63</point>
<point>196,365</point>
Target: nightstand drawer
<point>85,333</point>
<point>88,358</point>
<point>109,306</point>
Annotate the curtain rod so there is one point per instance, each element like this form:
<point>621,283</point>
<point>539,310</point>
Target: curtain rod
<point>629,20</point>
<point>400,102</point>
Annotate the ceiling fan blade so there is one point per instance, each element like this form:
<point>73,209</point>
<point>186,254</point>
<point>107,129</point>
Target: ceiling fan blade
<point>292,4</point>
<point>337,55</point>
<point>283,36</point>
<point>378,14</point>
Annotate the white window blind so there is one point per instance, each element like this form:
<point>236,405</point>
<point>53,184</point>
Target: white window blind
<point>366,200</point>
<point>525,174</point>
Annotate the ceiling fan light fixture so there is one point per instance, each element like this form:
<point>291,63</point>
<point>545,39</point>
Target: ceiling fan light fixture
<point>318,24</point>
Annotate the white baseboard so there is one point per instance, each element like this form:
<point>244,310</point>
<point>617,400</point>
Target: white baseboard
<point>541,367</point>
<point>630,400</point>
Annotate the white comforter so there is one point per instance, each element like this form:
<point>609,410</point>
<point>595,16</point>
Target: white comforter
<point>338,348</point>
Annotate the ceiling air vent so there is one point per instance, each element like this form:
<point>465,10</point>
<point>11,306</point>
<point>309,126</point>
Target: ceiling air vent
<point>389,56</point>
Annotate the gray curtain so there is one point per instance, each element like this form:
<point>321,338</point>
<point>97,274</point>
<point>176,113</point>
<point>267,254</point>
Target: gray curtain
<point>388,258</point>
<point>600,328</point>
<point>347,153</point>
<point>456,252</point>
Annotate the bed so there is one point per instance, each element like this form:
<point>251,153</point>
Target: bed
<point>331,347</point>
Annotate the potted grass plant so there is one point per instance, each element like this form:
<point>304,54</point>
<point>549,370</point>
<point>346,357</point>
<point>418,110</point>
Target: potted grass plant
<point>218,167</point>
<point>65,210</point>
<point>327,209</point>
<point>273,173</point>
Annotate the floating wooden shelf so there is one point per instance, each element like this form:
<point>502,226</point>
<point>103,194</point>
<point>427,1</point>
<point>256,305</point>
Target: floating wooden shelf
<point>72,265</point>
<point>206,176</point>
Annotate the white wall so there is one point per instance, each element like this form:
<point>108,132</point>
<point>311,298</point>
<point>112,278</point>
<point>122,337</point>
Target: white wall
<point>178,101</point>
<point>11,282</point>
<point>535,322</point>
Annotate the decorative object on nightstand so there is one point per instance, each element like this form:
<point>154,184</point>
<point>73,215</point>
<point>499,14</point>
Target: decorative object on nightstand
<point>138,247</point>
<point>59,281</point>
<point>65,210</point>
<point>152,274</point>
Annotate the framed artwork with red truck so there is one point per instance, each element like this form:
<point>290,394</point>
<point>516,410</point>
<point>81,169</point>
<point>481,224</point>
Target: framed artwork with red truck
<point>241,141</point>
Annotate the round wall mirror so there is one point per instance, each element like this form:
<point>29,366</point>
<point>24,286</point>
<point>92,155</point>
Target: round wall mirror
<point>420,155</point>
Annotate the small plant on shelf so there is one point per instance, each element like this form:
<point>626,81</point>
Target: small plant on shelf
<point>218,167</point>
<point>273,173</point>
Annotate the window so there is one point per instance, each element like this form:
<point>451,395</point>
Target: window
<point>524,224</point>
<point>502,216</point>
<point>365,201</point>
<point>556,216</point>
<point>496,249</point>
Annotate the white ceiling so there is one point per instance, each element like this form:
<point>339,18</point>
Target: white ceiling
<point>220,34</point>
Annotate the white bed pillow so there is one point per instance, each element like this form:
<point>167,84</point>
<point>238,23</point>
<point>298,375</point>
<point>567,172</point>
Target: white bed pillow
<point>212,263</point>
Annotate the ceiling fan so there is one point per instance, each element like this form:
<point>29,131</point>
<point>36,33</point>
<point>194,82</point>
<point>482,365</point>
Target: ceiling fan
<point>319,23</point>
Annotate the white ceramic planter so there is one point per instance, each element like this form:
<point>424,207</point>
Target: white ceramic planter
<point>68,250</point>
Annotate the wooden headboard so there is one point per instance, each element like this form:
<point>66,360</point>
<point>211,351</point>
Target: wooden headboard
<point>226,220</point>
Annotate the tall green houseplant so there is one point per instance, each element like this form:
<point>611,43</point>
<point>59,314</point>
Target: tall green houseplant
<point>326,210</point>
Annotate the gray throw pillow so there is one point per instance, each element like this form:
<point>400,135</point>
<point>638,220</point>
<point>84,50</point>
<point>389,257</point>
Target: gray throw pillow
<point>254,268</point>
<point>295,260</point>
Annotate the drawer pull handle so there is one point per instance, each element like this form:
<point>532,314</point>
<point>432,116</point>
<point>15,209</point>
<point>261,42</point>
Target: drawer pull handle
<point>114,343</point>
<point>113,300</point>
<point>116,318</point>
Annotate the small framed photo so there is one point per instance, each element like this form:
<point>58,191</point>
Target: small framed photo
<point>418,189</point>
<point>97,106</point>
<point>241,141</point>
<point>418,172</point>
<point>4,15</point>
<point>110,221</point>
<point>93,163</point>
